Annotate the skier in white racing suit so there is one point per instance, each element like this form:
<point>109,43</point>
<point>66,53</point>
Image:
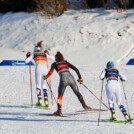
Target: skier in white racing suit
<point>41,69</point>
<point>113,88</point>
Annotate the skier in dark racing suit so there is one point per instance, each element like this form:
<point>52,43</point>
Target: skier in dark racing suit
<point>66,79</point>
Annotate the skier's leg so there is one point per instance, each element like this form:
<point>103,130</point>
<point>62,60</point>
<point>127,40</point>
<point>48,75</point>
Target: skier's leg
<point>38,85</point>
<point>118,94</point>
<point>118,101</point>
<point>44,86</point>
<point>45,94</point>
<point>75,88</point>
<point>61,90</point>
<point>109,93</point>
<point>38,91</point>
<point>110,87</point>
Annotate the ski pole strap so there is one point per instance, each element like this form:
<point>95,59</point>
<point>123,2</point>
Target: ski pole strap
<point>95,96</point>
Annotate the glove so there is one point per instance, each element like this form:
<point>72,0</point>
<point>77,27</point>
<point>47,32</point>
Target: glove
<point>44,77</point>
<point>28,54</point>
<point>122,80</point>
<point>46,52</point>
<point>80,81</point>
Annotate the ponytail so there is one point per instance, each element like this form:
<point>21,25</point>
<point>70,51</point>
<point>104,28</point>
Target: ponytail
<point>39,44</point>
<point>60,56</point>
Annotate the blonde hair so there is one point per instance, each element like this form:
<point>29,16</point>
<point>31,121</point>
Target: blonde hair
<point>39,44</point>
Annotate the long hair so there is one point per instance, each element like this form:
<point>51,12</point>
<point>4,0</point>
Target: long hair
<point>39,44</point>
<point>59,56</point>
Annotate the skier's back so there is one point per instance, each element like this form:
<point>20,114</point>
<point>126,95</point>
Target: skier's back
<point>66,79</point>
<point>113,87</point>
<point>41,69</point>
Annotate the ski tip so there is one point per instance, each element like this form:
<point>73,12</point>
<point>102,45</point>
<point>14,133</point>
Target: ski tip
<point>129,121</point>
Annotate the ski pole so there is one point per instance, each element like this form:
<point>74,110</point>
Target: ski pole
<point>49,83</point>
<point>126,101</point>
<point>100,102</point>
<point>30,83</point>
<point>132,97</point>
<point>95,96</point>
<point>52,92</point>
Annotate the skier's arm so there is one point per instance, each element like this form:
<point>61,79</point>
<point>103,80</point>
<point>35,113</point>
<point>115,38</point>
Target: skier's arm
<point>27,60</point>
<point>75,69</point>
<point>102,75</point>
<point>51,71</point>
<point>122,77</point>
<point>50,57</point>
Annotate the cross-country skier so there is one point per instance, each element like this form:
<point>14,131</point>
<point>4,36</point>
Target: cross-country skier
<point>41,69</point>
<point>113,87</point>
<point>66,79</point>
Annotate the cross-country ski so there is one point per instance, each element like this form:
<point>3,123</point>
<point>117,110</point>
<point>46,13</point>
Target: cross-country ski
<point>48,114</point>
<point>39,106</point>
<point>116,121</point>
<point>92,109</point>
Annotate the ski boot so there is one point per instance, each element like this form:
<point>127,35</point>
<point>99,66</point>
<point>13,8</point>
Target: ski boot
<point>126,116</point>
<point>39,101</point>
<point>39,97</point>
<point>45,97</point>
<point>46,101</point>
<point>84,104</point>
<point>86,107</point>
<point>113,114</point>
<point>58,112</point>
<point>123,110</point>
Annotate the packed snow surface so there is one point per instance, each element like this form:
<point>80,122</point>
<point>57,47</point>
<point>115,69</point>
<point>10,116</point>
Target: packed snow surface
<point>88,39</point>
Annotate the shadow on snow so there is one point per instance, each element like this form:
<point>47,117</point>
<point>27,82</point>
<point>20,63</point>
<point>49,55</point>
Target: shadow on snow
<point>44,120</point>
<point>14,106</point>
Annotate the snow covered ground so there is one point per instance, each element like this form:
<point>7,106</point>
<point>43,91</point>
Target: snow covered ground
<point>88,39</point>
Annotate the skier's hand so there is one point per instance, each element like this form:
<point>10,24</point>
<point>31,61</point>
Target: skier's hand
<point>44,77</point>
<point>46,52</point>
<point>28,54</point>
<point>80,81</point>
<point>122,80</point>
